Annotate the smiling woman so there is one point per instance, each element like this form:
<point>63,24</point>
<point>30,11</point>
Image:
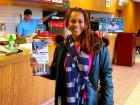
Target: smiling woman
<point>76,64</point>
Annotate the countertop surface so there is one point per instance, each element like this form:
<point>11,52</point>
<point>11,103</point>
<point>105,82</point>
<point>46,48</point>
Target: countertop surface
<point>16,57</point>
<point>26,54</point>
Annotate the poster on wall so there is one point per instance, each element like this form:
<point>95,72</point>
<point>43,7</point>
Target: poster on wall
<point>107,3</point>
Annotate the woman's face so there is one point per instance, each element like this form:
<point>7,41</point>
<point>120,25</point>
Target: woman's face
<point>76,23</point>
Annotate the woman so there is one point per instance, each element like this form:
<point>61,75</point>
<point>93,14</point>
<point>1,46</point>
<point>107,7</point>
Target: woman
<point>79,63</point>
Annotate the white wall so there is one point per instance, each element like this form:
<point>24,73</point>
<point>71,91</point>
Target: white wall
<point>10,15</point>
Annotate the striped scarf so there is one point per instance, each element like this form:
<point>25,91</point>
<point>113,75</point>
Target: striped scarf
<point>77,64</point>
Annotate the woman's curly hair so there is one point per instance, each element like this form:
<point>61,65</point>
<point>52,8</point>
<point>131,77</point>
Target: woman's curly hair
<point>89,40</point>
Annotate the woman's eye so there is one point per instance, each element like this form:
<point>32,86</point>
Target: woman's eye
<point>80,21</point>
<point>72,21</point>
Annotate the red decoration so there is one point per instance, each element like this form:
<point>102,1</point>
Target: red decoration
<point>56,24</point>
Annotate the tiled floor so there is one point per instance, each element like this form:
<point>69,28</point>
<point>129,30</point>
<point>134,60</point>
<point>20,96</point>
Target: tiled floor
<point>134,98</point>
<point>126,82</point>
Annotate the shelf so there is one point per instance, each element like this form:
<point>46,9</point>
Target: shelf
<point>36,4</point>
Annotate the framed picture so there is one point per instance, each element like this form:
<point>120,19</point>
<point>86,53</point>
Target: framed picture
<point>107,3</point>
<point>120,2</point>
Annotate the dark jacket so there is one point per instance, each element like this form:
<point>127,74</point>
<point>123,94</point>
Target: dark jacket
<point>101,70</point>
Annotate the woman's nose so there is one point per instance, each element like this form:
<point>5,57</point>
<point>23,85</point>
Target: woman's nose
<point>76,24</point>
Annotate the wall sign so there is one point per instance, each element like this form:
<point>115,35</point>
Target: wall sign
<point>53,1</point>
<point>120,2</point>
<point>57,1</point>
<point>56,24</point>
<point>107,3</point>
<point>44,0</point>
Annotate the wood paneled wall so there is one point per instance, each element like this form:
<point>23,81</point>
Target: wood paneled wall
<point>129,16</point>
<point>19,87</point>
<point>95,5</point>
<point>137,15</point>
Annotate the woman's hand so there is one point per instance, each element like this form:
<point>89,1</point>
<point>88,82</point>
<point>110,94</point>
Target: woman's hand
<point>38,67</point>
<point>33,62</point>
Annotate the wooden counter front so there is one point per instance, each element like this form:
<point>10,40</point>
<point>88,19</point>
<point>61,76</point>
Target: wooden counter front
<point>18,86</point>
<point>111,46</point>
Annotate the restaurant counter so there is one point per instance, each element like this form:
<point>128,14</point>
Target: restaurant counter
<point>18,86</point>
<point>111,46</point>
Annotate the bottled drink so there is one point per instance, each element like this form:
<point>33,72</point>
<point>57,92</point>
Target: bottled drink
<point>11,42</point>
